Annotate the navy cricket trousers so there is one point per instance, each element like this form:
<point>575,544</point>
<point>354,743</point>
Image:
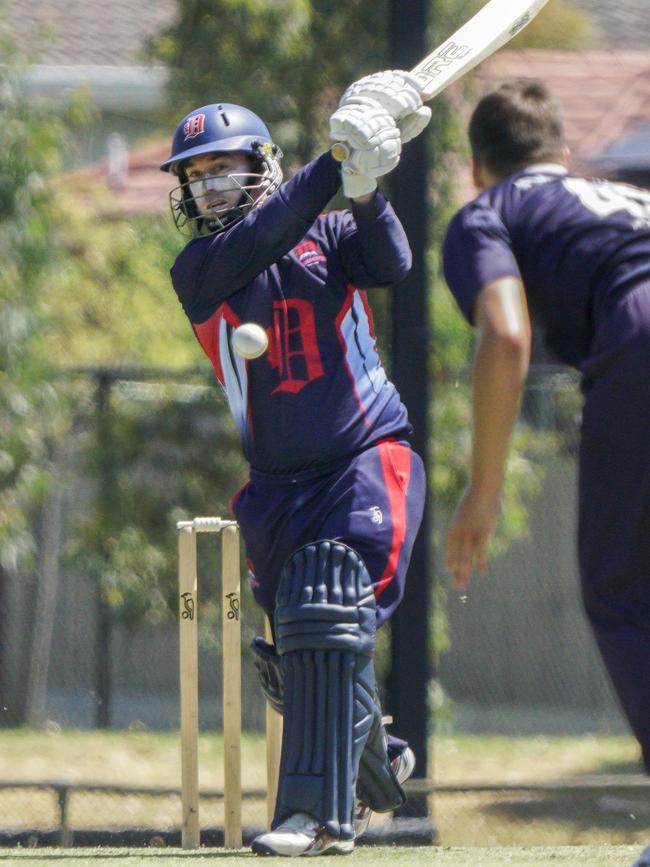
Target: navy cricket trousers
<point>614,502</point>
<point>372,501</point>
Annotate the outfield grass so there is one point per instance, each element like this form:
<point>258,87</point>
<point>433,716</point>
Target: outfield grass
<point>153,758</point>
<point>576,856</point>
<point>148,759</point>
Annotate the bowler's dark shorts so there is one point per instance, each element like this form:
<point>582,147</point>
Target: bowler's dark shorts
<point>372,502</point>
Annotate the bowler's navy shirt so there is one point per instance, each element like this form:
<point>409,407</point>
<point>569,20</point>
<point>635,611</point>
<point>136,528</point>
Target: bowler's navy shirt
<point>319,392</point>
<point>577,244</point>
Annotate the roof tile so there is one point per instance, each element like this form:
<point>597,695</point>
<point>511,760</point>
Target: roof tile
<point>623,23</point>
<point>603,95</point>
<point>88,31</point>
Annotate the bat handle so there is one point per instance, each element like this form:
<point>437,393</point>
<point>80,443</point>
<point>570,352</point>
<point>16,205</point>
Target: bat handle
<point>340,151</point>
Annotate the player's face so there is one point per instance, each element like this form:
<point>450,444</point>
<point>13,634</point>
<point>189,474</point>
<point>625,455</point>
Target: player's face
<point>216,181</point>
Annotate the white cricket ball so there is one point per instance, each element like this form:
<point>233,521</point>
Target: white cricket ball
<point>249,340</point>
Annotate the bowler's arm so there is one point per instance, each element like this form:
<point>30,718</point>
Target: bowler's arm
<point>498,375</point>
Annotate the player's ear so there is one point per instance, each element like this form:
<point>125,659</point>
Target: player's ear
<point>477,174</point>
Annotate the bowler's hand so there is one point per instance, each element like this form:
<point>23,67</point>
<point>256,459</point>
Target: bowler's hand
<point>469,533</point>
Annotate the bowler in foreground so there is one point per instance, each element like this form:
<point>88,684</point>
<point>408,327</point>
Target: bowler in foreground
<point>575,252</point>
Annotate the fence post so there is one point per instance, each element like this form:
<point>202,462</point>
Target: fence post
<point>65,833</point>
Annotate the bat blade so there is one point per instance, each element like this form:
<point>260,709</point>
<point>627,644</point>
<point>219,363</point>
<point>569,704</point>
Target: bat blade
<point>492,27</point>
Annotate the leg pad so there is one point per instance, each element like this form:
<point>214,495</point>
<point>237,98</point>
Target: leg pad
<point>325,629</point>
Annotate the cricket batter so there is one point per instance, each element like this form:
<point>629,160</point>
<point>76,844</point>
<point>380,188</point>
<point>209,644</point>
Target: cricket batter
<point>336,494</point>
<point>575,252</point>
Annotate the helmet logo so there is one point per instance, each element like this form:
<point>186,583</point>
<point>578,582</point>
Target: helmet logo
<point>193,126</point>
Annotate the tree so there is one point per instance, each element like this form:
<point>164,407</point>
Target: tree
<point>562,26</point>
<point>32,420</point>
<point>287,61</point>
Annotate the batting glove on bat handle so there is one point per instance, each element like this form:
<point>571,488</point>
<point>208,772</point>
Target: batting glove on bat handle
<point>356,185</point>
<point>395,90</point>
<point>410,127</point>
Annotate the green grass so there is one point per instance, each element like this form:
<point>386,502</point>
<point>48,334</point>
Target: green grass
<point>151,759</point>
<point>576,856</point>
<point>135,758</point>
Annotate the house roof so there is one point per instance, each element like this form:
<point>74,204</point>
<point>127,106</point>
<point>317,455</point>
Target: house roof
<point>144,189</point>
<point>623,24</point>
<point>87,32</point>
<point>604,96</point>
<point>114,33</point>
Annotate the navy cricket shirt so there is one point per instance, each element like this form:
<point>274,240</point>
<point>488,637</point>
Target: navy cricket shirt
<point>319,392</point>
<point>577,244</point>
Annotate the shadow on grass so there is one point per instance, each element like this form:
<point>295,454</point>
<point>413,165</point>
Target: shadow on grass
<point>598,812</point>
<point>620,767</point>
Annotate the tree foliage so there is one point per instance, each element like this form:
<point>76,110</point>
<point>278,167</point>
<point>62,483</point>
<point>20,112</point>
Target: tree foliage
<point>81,293</point>
<point>288,60</point>
<point>167,451</point>
<point>157,446</point>
<point>31,142</point>
<point>123,310</point>
<point>561,26</point>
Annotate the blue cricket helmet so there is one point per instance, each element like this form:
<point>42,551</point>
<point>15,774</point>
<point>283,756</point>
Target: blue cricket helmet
<point>221,126</point>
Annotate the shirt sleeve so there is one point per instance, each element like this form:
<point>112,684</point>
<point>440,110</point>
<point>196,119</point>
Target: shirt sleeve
<point>373,246</point>
<point>212,268</point>
<point>476,251</point>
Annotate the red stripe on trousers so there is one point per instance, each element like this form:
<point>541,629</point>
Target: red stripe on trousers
<point>396,467</point>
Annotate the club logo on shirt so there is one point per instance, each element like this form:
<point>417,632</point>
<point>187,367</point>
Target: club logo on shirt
<point>376,515</point>
<point>293,350</point>
<point>194,126</point>
<point>309,253</point>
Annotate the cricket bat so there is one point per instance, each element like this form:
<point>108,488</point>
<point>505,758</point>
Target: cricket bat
<point>492,26</point>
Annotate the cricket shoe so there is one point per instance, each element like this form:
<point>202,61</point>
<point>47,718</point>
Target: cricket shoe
<point>300,834</point>
<point>644,858</point>
<point>403,766</point>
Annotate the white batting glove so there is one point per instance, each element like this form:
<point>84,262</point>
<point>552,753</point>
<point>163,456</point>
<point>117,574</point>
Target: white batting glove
<point>364,125</point>
<point>356,185</point>
<point>373,140</point>
<point>360,170</point>
<point>395,90</point>
<point>375,161</point>
<point>413,124</point>
<point>399,93</point>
